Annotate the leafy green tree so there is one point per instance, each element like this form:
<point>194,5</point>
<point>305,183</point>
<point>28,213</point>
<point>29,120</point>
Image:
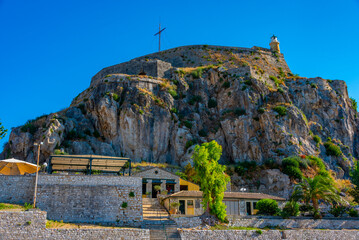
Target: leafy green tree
<point>3,131</point>
<point>212,178</point>
<point>354,175</point>
<point>311,190</point>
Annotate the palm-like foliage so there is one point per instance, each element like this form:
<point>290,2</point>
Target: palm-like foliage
<point>315,189</point>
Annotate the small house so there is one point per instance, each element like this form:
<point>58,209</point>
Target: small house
<point>238,203</point>
<point>168,181</point>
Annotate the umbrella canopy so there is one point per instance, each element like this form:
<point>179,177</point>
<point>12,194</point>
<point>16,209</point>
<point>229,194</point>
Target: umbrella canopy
<point>16,167</point>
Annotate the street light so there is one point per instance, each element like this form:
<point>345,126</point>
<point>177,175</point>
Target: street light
<point>37,172</point>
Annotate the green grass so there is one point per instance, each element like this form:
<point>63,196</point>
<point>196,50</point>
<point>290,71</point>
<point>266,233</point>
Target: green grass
<point>8,206</point>
<point>224,227</point>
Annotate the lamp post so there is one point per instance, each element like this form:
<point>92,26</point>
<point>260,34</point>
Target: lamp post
<point>37,172</point>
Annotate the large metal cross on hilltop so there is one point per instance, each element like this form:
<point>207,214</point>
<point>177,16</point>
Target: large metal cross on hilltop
<point>159,37</point>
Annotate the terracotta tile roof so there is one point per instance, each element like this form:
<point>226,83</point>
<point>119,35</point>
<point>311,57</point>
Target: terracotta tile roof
<point>238,195</point>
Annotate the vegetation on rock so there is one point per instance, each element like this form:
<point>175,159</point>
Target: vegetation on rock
<point>3,131</point>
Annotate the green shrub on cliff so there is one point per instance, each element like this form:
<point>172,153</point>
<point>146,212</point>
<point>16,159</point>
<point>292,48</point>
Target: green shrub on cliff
<point>332,149</point>
<point>281,110</point>
<point>354,104</point>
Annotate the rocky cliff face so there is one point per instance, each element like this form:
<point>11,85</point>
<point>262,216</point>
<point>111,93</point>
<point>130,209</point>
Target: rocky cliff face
<point>157,107</point>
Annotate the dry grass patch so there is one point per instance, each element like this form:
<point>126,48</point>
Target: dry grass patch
<point>62,225</point>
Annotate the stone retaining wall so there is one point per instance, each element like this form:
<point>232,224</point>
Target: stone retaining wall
<point>258,222</point>
<point>71,198</point>
<point>32,225</point>
<point>16,189</point>
<point>269,234</point>
<point>297,223</point>
<point>187,222</point>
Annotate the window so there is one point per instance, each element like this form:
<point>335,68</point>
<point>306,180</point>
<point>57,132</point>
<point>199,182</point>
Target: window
<point>189,203</point>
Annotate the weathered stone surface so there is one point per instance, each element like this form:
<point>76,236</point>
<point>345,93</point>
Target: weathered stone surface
<point>268,234</point>
<point>79,198</point>
<point>32,225</point>
<point>161,116</point>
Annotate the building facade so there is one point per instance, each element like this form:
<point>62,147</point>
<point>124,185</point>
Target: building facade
<point>238,203</point>
<point>168,181</point>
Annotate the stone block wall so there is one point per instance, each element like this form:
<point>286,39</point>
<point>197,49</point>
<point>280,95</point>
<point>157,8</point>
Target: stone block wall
<point>157,173</point>
<point>154,68</point>
<point>73,198</point>
<point>32,225</point>
<point>307,223</point>
<point>22,220</point>
<point>17,189</point>
<point>93,199</point>
<point>268,234</point>
<point>187,222</point>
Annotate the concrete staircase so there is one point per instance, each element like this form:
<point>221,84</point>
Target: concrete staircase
<point>153,210</point>
<point>156,218</point>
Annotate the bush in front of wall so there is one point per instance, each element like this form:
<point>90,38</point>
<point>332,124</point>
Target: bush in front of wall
<point>353,213</point>
<point>338,210</point>
<point>291,209</point>
<point>267,207</point>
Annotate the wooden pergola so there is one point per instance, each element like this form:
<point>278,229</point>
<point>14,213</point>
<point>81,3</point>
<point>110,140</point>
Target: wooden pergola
<point>88,163</point>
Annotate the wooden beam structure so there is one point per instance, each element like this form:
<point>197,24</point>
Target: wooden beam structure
<point>88,163</point>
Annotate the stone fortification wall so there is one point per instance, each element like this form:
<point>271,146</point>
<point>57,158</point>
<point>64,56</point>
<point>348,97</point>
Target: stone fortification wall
<point>352,223</point>
<point>268,234</point>
<point>32,225</point>
<point>154,68</point>
<point>187,222</point>
<point>159,64</point>
<point>92,199</point>
<point>16,189</point>
<point>255,222</point>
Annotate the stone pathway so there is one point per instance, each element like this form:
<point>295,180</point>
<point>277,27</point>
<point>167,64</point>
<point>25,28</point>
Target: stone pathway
<point>157,219</point>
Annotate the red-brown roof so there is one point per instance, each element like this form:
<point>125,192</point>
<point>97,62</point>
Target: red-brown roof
<point>237,195</point>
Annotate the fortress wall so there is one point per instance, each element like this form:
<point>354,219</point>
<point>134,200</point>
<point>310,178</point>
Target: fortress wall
<point>269,234</point>
<point>92,199</point>
<point>154,68</point>
<point>16,189</point>
<point>32,225</point>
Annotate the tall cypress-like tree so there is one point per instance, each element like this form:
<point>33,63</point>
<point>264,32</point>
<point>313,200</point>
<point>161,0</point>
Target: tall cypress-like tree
<point>212,178</point>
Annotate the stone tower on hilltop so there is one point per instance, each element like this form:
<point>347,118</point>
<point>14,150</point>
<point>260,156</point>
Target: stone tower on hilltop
<point>274,44</point>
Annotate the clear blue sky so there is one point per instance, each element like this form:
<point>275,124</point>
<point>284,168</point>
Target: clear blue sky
<point>49,50</point>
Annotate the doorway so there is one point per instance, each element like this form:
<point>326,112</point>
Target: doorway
<point>144,188</point>
<point>182,207</point>
<point>249,208</point>
<point>154,192</point>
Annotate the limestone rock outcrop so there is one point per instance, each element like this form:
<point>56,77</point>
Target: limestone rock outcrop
<point>157,107</point>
